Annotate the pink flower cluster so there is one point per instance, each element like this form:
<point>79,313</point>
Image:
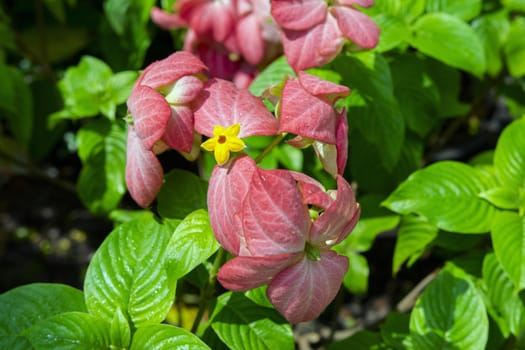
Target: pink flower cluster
<point>237,37</point>
<point>279,224</point>
<point>232,37</point>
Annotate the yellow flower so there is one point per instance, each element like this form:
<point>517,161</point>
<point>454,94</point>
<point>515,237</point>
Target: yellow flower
<point>223,142</point>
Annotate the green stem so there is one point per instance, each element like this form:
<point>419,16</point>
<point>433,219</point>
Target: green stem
<point>208,290</point>
<point>271,146</point>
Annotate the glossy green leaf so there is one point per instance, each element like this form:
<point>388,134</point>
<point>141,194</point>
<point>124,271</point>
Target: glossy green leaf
<point>407,10</point>
<point>395,329</point>
<point>129,272</point>
<point>465,9</point>
<point>120,332</point>
<point>505,307</point>
<point>242,324</point>
<point>71,331</point>
<point>363,235</point>
<point>447,194</point>
<point>16,103</point>
<point>502,197</point>
<point>418,93</point>
<point>276,72</point>
<point>394,32</point>
<point>191,244</point>
<point>102,149</point>
<point>509,157</point>
<point>443,315</point>
<point>25,306</point>
<point>439,35</point>
<point>362,340</point>
<point>414,236</point>
<point>258,296</point>
<point>356,277</point>
<point>181,193</point>
<point>514,4</point>
<point>165,337</point>
<point>515,48</point>
<point>372,107</point>
<point>492,29</point>
<point>508,240</point>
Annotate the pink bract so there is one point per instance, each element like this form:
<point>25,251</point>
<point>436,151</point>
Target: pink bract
<point>160,105</point>
<point>223,104</point>
<point>262,217</point>
<point>314,32</point>
<point>307,110</point>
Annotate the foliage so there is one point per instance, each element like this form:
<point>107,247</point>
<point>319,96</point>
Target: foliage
<point>428,126</point>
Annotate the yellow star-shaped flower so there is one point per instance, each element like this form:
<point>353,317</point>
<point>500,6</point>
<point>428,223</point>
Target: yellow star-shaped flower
<point>223,142</point>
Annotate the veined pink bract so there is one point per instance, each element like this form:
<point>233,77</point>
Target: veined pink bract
<point>265,218</point>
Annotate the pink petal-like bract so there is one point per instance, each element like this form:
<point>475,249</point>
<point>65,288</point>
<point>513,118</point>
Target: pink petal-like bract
<point>338,219</point>
<point>298,14</point>
<point>248,272</point>
<point>251,43</point>
<point>209,18</point>
<point>222,103</point>
<point>166,20</point>
<point>274,219</point>
<point>143,171</point>
<point>313,47</point>
<point>322,88</point>
<point>304,114</point>
<point>184,90</point>
<point>179,130</point>
<point>362,3</point>
<point>170,69</point>
<point>227,189</point>
<point>302,291</point>
<point>357,26</point>
<point>150,113</point>
<point>341,143</point>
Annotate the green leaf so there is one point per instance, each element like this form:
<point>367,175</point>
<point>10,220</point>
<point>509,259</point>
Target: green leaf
<point>372,107</point>
<point>25,306</point>
<point>129,272</point>
<point>258,296</point>
<point>181,193</point>
<point>503,197</point>
<point>242,324</point>
<point>509,156</point>
<point>518,5</point>
<point>449,314</point>
<point>71,331</point>
<point>365,232</point>
<point>102,149</point>
<point>505,307</point>
<point>120,332</point>
<point>508,239</point>
<point>407,10</point>
<point>356,277</point>
<point>492,29</point>
<point>418,92</point>
<point>165,337</point>
<point>394,32</point>
<point>465,9</point>
<point>191,244</point>
<point>120,85</point>
<point>515,48</point>
<point>414,236</point>
<point>362,340</point>
<point>276,72</point>
<point>395,329</point>
<point>447,194</point>
<point>56,7</point>
<point>16,103</point>
<point>439,35</point>
<point>84,88</point>
<point>125,36</point>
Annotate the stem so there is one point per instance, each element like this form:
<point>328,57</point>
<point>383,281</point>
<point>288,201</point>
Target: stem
<point>208,290</point>
<point>271,146</point>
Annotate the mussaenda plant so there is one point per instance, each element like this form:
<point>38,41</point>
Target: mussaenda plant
<point>264,160</point>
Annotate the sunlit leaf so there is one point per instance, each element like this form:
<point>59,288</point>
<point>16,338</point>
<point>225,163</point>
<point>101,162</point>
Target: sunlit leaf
<point>509,157</point>
<point>165,337</point>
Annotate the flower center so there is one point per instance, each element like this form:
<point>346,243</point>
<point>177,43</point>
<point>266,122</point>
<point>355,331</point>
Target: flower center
<point>312,252</point>
<point>224,141</point>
